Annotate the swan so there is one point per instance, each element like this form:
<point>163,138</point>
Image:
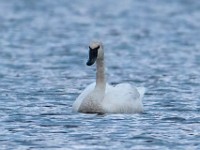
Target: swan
<point>100,97</point>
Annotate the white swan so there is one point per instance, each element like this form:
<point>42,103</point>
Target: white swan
<point>101,97</point>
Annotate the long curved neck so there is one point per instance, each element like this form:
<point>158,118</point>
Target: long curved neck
<point>100,76</point>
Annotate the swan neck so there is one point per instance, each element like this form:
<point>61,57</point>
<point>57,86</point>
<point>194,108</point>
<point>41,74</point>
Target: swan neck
<point>100,75</point>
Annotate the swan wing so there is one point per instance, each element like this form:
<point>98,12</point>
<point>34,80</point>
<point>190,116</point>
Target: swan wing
<point>123,98</point>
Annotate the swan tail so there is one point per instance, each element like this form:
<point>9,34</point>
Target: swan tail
<point>141,91</point>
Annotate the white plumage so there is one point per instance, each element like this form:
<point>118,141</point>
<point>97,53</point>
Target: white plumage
<point>100,97</point>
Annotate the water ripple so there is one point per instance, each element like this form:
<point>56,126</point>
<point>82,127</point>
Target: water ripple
<point>42,70</point>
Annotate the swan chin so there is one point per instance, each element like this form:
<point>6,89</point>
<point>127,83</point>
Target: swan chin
<point>100,97</point>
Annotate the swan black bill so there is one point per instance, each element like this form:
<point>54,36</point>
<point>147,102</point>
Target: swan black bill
<point>92,56</point>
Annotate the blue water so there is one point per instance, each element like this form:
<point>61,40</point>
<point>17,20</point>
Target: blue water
<point>151,43</point>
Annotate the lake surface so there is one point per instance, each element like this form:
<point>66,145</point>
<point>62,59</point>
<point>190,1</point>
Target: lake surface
<point>150,43</point>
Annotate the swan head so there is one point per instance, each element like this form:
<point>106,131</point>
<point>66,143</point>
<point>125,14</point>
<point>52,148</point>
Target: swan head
<point>95,52</point>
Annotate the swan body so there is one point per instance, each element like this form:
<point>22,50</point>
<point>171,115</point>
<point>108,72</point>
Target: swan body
<point>100,97</point>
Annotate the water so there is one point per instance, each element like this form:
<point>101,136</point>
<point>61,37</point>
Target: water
<point>43,50</point>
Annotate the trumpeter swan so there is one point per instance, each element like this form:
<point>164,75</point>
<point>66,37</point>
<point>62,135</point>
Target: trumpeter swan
<point>100,97</point>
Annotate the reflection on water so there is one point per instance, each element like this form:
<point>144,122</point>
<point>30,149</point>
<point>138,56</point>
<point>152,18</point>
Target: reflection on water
<point>44,46</point>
